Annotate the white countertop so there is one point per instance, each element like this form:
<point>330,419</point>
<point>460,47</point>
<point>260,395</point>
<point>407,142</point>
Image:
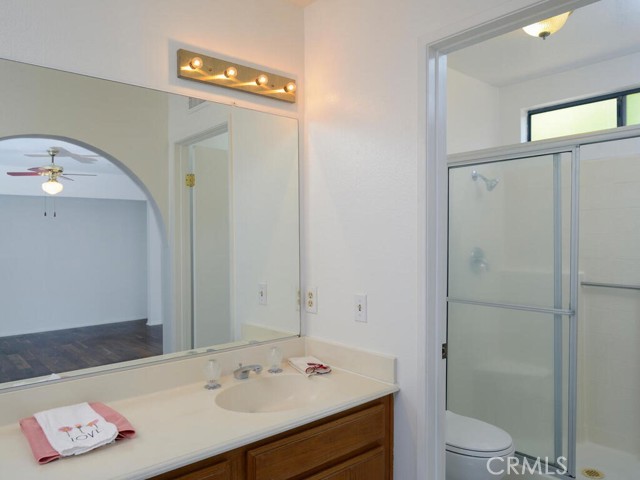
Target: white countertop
<point>180,426</point>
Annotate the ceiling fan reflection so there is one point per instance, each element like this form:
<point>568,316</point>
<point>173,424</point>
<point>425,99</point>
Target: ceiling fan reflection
<point>54,172</point>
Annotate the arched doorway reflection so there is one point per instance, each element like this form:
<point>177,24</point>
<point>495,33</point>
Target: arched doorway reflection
<point>81,286</point>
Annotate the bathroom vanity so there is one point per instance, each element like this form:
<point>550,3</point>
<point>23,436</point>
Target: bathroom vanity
<point>357,443</point>
<point>269,426</point>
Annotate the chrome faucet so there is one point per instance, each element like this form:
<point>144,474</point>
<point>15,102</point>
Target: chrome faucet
<point>242,373</point>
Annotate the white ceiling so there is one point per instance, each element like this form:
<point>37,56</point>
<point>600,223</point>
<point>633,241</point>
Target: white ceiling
<point>597,32</point>
<point>20,154</point>
<point>17,154</point>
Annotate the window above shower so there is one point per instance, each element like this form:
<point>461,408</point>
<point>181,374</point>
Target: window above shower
<point>585,116</point>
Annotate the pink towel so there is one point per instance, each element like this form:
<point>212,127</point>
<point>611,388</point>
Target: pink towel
<point>42,449</point>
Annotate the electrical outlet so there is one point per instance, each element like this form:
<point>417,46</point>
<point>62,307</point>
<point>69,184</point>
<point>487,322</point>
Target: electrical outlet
<point>262,293</point>
<point>360,310</point>
<point>311,300</point>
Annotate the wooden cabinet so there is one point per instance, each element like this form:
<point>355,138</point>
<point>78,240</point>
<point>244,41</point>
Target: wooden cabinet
<point>353,445</point>
<point>363,467</point>
<point>226,466</point>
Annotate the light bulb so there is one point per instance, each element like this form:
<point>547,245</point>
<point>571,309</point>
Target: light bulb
<point>231,72</point>
<point>196,63</point>
<point>290,87</point>
<point>52,187</point>
<point>262,79</point>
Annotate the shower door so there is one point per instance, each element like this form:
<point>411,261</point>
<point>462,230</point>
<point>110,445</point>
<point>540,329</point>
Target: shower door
<point>511,304</point>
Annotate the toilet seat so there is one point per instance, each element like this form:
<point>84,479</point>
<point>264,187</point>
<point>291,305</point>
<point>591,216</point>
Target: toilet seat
<point>474,438</point>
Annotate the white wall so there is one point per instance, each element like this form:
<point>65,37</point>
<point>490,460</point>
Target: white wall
<point>361,185</point>
<point>136,41</point>
<point>85,266</point>
<point>265,216</point>
<point>473,115</point>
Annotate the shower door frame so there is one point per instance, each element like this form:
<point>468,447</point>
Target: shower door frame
<point>555,147</point>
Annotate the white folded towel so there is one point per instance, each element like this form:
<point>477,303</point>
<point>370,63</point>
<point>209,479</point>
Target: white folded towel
<point>309,365</point>
<point>75,429</point>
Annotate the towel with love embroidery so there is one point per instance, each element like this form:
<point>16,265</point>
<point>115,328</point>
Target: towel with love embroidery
<point>75,429</point>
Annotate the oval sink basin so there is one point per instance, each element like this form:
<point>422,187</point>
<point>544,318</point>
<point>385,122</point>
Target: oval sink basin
<point>273,394</point>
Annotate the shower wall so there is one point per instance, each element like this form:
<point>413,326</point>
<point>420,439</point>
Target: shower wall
<point>609,334</point>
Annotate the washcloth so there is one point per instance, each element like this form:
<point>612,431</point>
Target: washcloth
<point>309,365</point>
<point>45,453</point>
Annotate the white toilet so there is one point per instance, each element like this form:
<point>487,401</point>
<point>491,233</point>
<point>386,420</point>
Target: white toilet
<point>471,444</point>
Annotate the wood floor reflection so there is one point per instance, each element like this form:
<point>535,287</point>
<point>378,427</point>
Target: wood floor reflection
<point>36,354</point>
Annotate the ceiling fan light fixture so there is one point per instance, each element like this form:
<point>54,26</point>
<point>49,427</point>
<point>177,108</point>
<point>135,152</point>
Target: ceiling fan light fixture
<point>52,187</point>
<point>548,26</point>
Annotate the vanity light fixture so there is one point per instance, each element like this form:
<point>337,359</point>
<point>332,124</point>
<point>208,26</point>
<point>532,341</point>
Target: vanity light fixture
<point>216,71</point>
<point>548,26</point>
<point>231,72</point>
<point>52,186</point>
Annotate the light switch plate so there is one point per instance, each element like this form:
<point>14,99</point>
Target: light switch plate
<point>360,308</point>
<point>262,293</point>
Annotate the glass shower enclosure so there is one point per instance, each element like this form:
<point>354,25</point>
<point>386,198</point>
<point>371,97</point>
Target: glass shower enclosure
<point>528,329</point>
<point>510,309</point>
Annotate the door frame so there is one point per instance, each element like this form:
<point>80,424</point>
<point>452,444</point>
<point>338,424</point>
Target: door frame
<point>432,209</point>
<point>183,321</point>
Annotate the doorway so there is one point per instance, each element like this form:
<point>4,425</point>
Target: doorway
<point>207,232</point>
<point>437,150</point>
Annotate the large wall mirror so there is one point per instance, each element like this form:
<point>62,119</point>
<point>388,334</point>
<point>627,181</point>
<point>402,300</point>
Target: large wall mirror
<point>176,230</point>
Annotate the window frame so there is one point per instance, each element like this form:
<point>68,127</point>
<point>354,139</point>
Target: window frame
<point>621,107</point>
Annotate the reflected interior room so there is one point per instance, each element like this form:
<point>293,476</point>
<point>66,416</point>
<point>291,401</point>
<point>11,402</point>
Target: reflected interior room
<point>101,236</point>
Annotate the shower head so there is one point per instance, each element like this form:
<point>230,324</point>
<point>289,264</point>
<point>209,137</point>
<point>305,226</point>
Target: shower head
<point>490,183</point>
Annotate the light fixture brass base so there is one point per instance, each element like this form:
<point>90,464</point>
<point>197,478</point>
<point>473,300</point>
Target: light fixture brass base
<point>215,71</point>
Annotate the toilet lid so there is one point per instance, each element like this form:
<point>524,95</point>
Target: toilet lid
<point>476,438</point>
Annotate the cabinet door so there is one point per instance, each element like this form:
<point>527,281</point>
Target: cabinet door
<point>368,466</point>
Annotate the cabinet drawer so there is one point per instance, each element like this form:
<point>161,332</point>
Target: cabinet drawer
<point>222,467</point>
<point>319,446</point>
<point>368,466</point>
<point>222,471</point>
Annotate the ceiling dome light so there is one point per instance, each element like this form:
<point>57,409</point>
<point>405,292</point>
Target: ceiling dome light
<point>262,79</point>
<point>52,187</point>
<point>546,27</point>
